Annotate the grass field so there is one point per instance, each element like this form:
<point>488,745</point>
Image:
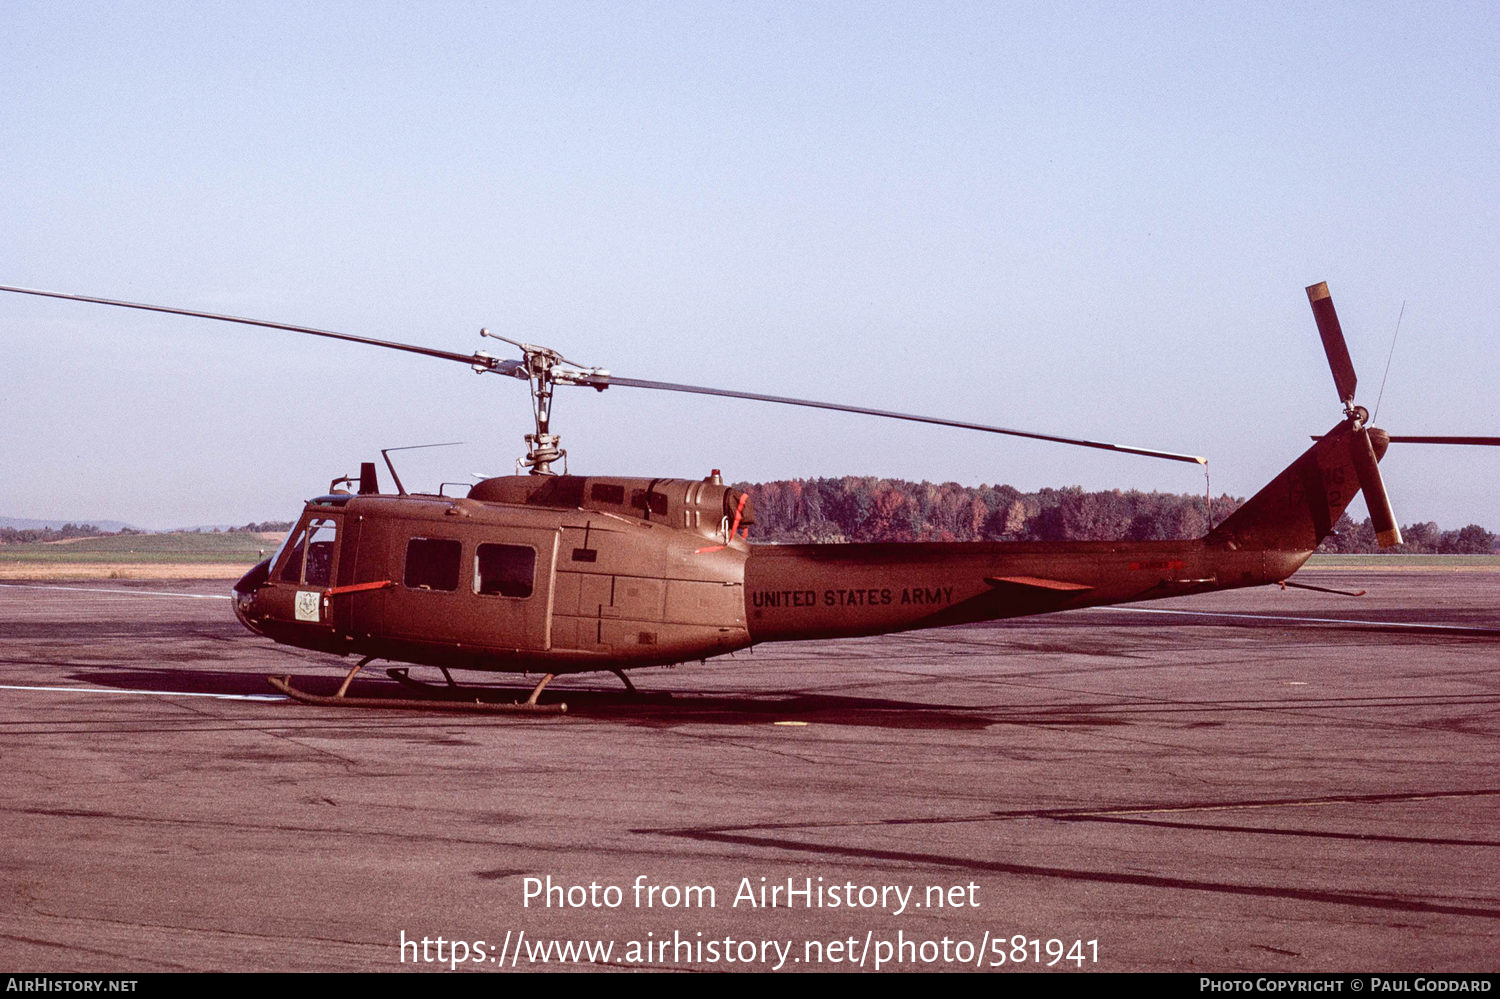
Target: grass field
<point>147,548</point>
<point>1404,562</point>
<point>138,556</point>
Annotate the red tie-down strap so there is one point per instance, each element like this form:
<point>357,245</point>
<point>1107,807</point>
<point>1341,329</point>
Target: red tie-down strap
<point>739,511</point>
<point>384,584</point>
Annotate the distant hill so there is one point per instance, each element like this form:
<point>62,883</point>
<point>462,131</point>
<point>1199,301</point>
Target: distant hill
<point>116,526</point>
<point>27,524</point>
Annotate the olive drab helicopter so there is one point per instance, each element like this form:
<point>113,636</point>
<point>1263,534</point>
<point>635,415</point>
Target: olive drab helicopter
<point>553,573</point>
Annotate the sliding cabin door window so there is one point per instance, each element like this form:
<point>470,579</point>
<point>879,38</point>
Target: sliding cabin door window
<point>432,564</point>
<point>504,570</point>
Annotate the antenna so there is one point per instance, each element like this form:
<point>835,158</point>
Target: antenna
<point>1381,394</point>
<point>385,453</point>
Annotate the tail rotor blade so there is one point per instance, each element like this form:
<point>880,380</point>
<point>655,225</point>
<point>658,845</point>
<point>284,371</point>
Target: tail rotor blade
<point>1367,467</point>
<point>1333,341</point>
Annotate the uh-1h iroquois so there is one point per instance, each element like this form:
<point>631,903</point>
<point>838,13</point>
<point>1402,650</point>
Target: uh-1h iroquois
<point>550,574</point>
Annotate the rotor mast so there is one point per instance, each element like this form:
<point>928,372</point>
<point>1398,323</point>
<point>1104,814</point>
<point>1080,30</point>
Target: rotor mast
<point>542,447</point>
<point>543,368</point>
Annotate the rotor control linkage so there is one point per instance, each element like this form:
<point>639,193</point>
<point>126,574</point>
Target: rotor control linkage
<point>542,368</point>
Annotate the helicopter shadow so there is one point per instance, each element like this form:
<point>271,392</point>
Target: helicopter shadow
<point>584,704</point>
<point>169,681</point>
<point>791,708</point>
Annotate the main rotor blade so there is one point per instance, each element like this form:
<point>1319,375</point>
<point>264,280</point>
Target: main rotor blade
<point>600,380</point>
<point>1333,341</point>
<point>1367,468</point>
<point>604,381</point>
<point>446,355</point>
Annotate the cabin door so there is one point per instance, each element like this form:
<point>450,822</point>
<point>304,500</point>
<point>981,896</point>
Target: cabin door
<point>489,590</point>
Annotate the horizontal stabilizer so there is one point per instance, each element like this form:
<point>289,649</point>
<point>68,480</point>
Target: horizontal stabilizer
<point>1035,583</point>
<point>1321,589</point>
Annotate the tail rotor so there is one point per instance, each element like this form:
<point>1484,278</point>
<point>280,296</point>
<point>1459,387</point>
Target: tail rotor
<point>1361,449</point>
<point>1365,450</point>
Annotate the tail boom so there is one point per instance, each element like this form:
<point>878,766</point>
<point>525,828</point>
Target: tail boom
<point>827,591</point>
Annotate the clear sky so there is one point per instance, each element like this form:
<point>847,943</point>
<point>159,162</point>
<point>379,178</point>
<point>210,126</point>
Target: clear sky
<point>1095,220</point>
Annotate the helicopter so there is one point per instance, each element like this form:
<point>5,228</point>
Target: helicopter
<point>554,573</point>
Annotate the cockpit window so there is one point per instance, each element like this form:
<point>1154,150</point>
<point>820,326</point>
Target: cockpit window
<point>309,554</point>
<point>432,563</point>
<point>291,569</point>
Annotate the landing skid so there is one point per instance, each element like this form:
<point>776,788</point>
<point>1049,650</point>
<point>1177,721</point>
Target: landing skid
<point>402,674</point>
<point>342,700</point>
<point>630,689</point>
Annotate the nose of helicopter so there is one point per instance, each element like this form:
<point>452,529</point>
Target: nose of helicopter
<point>245,591</point>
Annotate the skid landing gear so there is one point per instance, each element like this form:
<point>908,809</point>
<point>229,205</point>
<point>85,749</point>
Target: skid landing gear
<point>630,689</point>
<point>340,699</point>
<point>402,674</point>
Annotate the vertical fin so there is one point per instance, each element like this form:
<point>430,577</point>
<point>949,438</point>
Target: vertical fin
<point>1298,508</point>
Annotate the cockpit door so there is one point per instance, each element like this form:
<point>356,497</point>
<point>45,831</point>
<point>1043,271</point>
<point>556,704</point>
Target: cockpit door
<point>304,569</point>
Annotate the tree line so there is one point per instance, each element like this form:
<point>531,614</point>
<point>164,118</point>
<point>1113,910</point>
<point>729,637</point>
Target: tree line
<point>855,508</point>
<point>1418,539</point>
<point>32,535</point>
